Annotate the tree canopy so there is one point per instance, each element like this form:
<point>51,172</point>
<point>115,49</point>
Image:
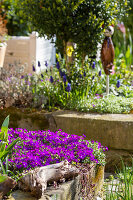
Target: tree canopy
<point>78,21</point>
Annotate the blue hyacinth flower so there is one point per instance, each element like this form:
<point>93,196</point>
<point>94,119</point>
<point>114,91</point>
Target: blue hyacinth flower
<point>118,84</point>
<point>33,68</point>
<point>51,79</point>
<point>46,63</point>
<point>84,74</point>
<point>93,77</point>
<point>58,65</point>
<point>99,74</point>
<point>68,88</point>
<point>42,76</point>
<point>64,79</point>
<point>93,65</point>
<point>39,64</point>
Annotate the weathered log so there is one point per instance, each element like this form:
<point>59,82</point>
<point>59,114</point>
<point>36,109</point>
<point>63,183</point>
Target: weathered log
<point>37,180</point>
<point>6,186</point>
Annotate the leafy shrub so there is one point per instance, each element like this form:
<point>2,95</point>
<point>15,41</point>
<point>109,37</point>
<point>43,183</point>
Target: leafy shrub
<point>40,148</point>
<point>15,24</point>
<point>77,21</point>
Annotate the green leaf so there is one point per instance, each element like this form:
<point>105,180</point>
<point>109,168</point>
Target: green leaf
<point>4,130</point>
<point>2,166</point>
<point>6,122</point>
<point>2,178</point>
<point>128,53</point>
<point>8,149</point>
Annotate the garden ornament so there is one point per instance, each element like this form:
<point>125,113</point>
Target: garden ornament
<point>107,54</point>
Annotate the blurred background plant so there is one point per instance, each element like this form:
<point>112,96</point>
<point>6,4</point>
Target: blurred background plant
<point>121,186</point>
<point>3,29</point>
<point>15,24</point>
<point>77,81</point>
<point>84,89</point>
<point>123,40</point>
<point>80,22</point>
<point>14,87</point>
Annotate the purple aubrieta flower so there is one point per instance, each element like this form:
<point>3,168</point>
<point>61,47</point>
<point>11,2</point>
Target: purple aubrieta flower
<point>68,88</point>
<point>64,79</point>
<point>40,148</point>
<point>80,76</point>
<point>93,77</point>
<point>51,79</point>
<point>58,65</point>
<point>33,68</point>
<point>118,84</point>
<point>39,64</point>
<point>93,65</point>
<point>99,74</point>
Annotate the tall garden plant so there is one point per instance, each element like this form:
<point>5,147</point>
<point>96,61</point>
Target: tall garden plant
<point>77,21</point>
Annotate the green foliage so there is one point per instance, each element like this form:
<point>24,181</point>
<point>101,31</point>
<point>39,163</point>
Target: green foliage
<point>2,178</point>
<point>128,20</point>
<point>79,21</point>
<point>110,104</point>
<point>124,188</point>
<point>123,43</point>
<point>5,149</point>
<point>88,89</point>
<point>15,24</point>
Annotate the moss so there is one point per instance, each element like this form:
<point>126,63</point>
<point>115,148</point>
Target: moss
<point>17,115</point>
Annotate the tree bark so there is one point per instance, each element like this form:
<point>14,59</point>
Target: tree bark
<point>6,186</point>
<point>37,180</point>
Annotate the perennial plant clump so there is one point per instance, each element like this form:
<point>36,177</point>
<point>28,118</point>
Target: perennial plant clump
<point>39,148</point>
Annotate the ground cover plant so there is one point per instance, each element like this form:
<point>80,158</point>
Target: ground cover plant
<point>22,150</point>
<point>39,148</point>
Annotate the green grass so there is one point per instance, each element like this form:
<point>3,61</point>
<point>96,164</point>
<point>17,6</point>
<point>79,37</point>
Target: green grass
<point>122,189</point>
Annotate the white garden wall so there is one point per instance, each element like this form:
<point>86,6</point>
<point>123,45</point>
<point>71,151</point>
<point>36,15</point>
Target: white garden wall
<point>29,50</point>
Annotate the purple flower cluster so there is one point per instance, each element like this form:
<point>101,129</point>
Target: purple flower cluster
<point>39,148</point>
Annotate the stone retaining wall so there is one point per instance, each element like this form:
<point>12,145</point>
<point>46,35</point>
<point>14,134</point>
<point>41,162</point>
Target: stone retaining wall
<point>113,130</point>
